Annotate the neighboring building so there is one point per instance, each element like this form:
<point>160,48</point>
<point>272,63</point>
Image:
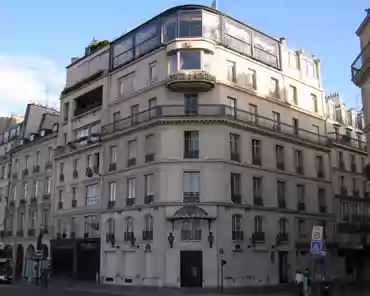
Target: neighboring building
<point>360,70</point>
<point>190,139</point>
<point>29,181</point>
<point>348,159</point>
<point>6,123</point>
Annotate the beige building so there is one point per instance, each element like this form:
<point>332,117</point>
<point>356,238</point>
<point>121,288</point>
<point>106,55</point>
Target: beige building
<point>191,140</point>
<point>361,77</point>
<point>28,177</point>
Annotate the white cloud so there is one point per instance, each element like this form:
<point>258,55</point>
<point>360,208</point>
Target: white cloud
<point>25,79</point>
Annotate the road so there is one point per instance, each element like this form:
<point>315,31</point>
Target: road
<point>32,290</point>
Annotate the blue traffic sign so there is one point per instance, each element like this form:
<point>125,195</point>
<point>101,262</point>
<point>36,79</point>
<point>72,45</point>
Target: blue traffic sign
<point>316,247</point>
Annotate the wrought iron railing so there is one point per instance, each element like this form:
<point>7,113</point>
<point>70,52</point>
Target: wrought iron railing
<point>348,141</point>
<point>214,111</point>
<point>361,60</point>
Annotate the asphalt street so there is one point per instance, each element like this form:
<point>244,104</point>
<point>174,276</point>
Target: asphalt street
<point>32,290</point>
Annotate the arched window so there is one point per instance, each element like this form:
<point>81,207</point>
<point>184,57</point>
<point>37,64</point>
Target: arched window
<point>129,230</point>
<point>237,227</point>
<point>148,228</point>
<point>110,230</point>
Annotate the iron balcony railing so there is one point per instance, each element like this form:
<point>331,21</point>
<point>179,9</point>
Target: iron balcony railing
<point>348,141</point>
<point>214,111</point>
<point>361,61</point>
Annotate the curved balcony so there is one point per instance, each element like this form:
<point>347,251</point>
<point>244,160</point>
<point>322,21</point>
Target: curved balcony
<point>191,81</point>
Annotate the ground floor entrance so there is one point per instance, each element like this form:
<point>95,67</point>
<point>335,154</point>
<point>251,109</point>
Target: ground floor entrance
<point>79,259</point>
<point>283,267</point>
<point>191,268</point>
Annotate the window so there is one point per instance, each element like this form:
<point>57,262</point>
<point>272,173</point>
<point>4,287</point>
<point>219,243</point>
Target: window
<point>251,78</point>
<point>322,200</point>
<point>276,119</point>
<point>47,185</point>
<point>231,106</point>
<point>112,191</point>
<point>295,123</point>
<point>132,149</point>
<point>191,183</point>
<point>280,157</point>
<point>60,195</point>
<point>3,172</point>
<point>126,85</point>
<point>231,71</point>
<point>191,144</point>
<point>315,107</point>
<point>61,168</point>
<point>150,145</point>
<point>152,107</point>
<point>190,23</point>
<point>37,157</point>
<point>301,194</point>
<point>76,162</point>
<point>253,113</point>
<point>26,158</point>
<point>274,88</point>
<point>146,39</point>
<point>283,226</point>
<point>191,230</point>
<point>35,188</point>
<point>149,185</point>
<point>14,192</point>
<point>256,152</point>
<point>122,51</point>
<point>92,195</point>
<point>352,159</point>
<point>21,222</point>
<point>134,113</point>
<point>129,231</point>
<point>148,228</point>
<point>298,159</point>
<point>74,193</point>
<point>131,191</point>
<point>65,111</point>
<point>116,116</point>
<point>152,72</point>
<point>16,165</point>
<point>191,104</point>
<point>281,194</point>
<point>235,188</point>
<point>185,60</point>
<point>320,166</point>
<point>110,229</point>
<point>49,154</point>
<point>237,227</point>
<point>33,219</point>
<point>25,190</point>
<point>257,191</point>
<point>65,138</point>
<point>258,224</point>
<point>235,147</point>
<point>45,218</point>
<point>293,61</point>
<point>91,224</point>
<point>293,95</point>
<point>302,231</point>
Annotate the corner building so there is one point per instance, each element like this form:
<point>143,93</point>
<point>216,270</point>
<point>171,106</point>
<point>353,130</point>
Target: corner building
<point>190,139</point>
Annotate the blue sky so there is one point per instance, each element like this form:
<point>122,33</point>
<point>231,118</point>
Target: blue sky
<point>39,37</point>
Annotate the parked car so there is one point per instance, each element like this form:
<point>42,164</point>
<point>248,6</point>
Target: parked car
<point>6,272</point>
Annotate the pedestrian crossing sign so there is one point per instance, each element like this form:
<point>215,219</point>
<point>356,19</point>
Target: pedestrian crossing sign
<point>316,247</point>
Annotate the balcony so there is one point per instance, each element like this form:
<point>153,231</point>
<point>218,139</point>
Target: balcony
<point>191,81</point>
<point>280,165</point>
<point>75,174</point>
<point>46,197</point>
<point>128,236</point>
<point>360,66</point>
<point>149,157</point>
<point>48,165</point>
<point>148,199</point>
<point>347,141</point>
<point>256,161</point>
<point>191,235</point>
<point>258,237</point>
<point>191,197</point>
<point>20,233</point>
<point>281,203</point>
<point>282,238</point>
<point>299,169</point>
<point>216,112</point>
<point>236,198</point>
<point>237,235</point>
<point>111,204</point>
<point>147,235</point>
<point>130,202</point>
<point>25,173</point>
<point>112,166</point>
<point>33,201</point>
<point>301,207</point>
<point>191,154</point>
<point>320,174</point>
<point>110,237</point>
<point>74,203</point>
<point>235,156</point>
<point>31,232</point>
<point>22,202</point>
<point>89,101</point>
<point>60,205</point>
<point>131,162</point>
<point>36,169</point>
<point>258,201</point>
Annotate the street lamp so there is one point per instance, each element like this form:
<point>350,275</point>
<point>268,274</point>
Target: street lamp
<point>171,238</point>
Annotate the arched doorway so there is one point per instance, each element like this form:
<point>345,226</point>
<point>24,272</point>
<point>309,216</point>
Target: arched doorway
<point>29,262</point>
<point>19,262</point>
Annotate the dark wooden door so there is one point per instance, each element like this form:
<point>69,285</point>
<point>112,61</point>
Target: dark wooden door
<point>283,267</point>
<point>191,268</point>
